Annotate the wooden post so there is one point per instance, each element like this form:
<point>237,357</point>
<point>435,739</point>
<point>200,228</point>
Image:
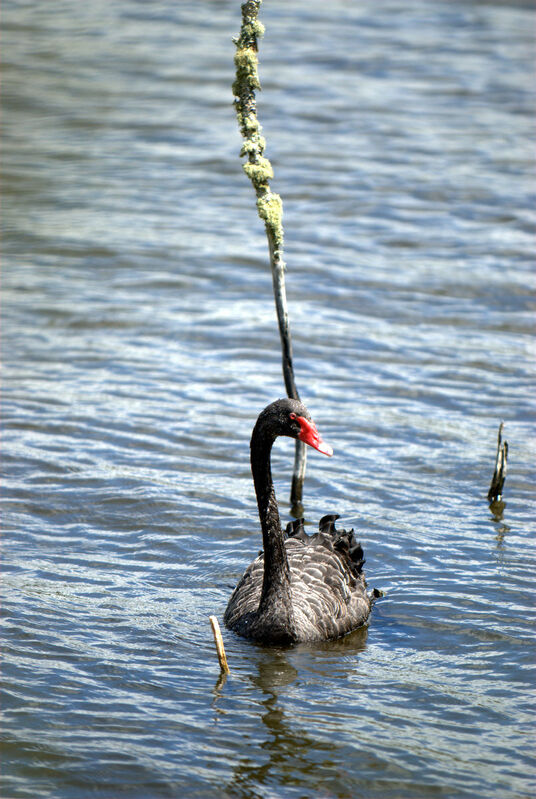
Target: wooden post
<point>269,204</point>
<point>496,502</point>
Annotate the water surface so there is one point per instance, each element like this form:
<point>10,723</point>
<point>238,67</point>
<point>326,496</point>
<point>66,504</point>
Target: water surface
<point>139,344</point>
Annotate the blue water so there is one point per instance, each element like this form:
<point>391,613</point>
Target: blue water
<point>140,343</point>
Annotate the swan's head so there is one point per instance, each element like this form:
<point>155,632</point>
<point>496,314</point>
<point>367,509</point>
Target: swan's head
<point>288,417</point>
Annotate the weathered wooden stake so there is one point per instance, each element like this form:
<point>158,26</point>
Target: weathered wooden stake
<point>499,474</point>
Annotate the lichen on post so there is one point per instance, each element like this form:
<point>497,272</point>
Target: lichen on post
<point>269,204</point>
<point>257,167</point>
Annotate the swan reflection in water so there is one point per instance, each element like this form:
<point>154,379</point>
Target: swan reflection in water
<point>289,748</point>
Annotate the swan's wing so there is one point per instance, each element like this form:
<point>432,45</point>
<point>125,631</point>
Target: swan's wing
<point>247,594</point>
<point>329,596</point>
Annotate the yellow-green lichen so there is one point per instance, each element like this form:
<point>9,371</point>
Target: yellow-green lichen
<point>259,172</point>
<point>252,30</point>
<point>248,123</point>
<point>246,70</point>
<point>257,168</point>
<point>270,208</point>
<point>252,146</point>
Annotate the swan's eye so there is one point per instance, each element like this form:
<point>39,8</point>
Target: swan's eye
<point>292,416</point>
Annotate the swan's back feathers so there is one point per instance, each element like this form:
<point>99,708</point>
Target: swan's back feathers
<point>327,585</point>
<point>344,541</point>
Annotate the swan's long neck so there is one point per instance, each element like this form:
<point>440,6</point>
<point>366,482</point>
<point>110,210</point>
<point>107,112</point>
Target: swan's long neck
<point>276,582</point>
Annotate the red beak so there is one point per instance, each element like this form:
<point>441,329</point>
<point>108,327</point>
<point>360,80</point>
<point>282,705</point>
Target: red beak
<point>310,435</point>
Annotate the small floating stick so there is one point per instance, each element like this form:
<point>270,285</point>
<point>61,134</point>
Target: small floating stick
<point>220,649</point>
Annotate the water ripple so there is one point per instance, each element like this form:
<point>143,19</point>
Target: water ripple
<point>140,344</point>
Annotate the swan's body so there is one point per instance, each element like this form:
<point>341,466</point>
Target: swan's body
<point>300,588</point>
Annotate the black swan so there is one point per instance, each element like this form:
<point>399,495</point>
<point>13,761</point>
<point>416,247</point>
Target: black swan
<point>301,588</point>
